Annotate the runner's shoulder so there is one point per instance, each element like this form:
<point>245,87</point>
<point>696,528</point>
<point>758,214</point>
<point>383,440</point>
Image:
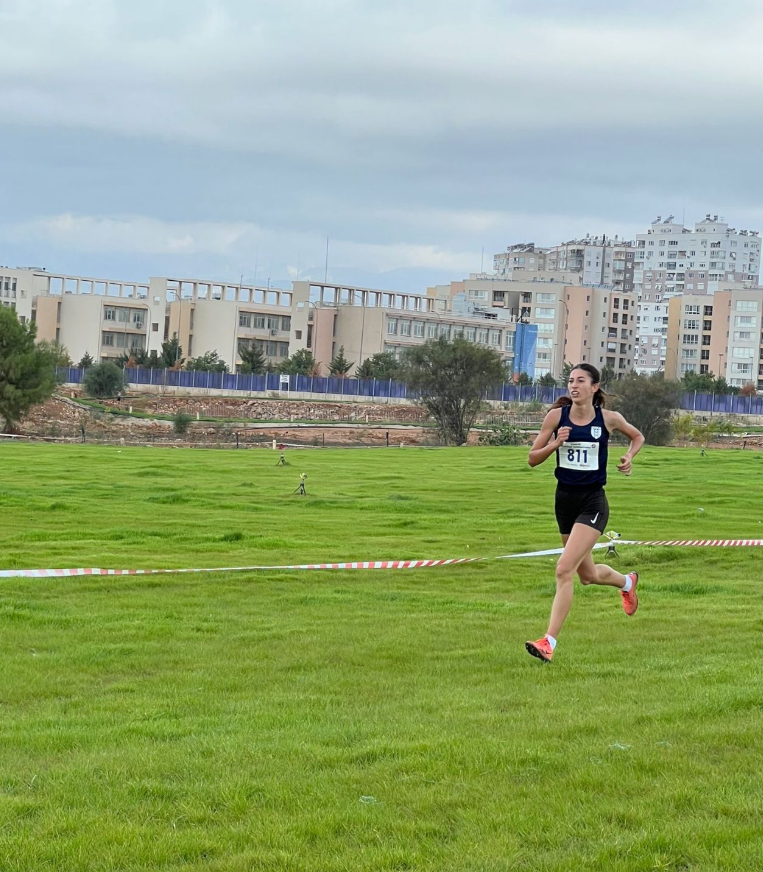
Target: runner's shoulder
<point>553,416</point>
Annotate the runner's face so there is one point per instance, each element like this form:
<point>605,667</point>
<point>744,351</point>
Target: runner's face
<point>580,386</point>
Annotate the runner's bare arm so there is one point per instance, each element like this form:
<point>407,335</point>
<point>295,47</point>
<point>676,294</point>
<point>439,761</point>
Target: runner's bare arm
<point>615,421</point>
<point>545,445</point>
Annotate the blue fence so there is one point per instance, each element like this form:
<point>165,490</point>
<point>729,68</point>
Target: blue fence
<point>718,404</point>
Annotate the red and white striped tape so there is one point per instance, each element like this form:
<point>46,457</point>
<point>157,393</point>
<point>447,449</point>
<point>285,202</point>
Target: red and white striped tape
<point>368,564</point>
<point>696,543</point>
<point>377,564</point>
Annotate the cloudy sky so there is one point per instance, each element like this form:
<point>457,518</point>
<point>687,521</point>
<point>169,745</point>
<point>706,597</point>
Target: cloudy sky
<point>220,138</point>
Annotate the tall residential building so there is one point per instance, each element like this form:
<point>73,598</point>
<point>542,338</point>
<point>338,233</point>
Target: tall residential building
<point>575,323</point>
<point>672,259</point>
<point>523,257</point>
<point>599,260</point>
<point>720,333</point>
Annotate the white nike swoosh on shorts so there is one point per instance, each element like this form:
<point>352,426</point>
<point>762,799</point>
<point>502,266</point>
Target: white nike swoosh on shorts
<point>593,520</point>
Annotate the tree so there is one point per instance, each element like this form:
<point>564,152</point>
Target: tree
<point>452,378</point>
<point>27,372</point>
<point>301,362</point>
<point>547,381</point>
<point>339,365</point>
<point>566,370</point>
<point>523,379</point>
<point>104,380</point>
<point>607,375</point>
<point>207,362</point>
<point>684,427</point>
<point>721,386</point>
<point>154,361</point>
<point>180,422</point>
<point>252,359</point>
<point>58,353</point>
<point>703,433</point>
<point>382,366</point>
<point>135,357</point>
<point>648,402</point>
<point>172,352</point>
<point>86,361</point>
<point>703,383</point>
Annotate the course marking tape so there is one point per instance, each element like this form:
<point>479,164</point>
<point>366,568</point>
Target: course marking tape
<point>381,564</point>
<point>368,564</point>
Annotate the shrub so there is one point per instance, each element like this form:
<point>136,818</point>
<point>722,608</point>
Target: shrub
<point>104,380</point>
<point>180,422</point>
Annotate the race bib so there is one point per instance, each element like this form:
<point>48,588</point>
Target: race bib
<point>579,455</point>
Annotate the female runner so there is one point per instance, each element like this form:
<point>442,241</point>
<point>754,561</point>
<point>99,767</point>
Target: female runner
<point>577,428</point>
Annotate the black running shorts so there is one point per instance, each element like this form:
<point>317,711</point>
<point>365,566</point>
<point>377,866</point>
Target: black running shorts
<point>581,505</point>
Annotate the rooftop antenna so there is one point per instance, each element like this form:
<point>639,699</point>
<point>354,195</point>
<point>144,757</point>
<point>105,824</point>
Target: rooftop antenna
<point>326,271</point>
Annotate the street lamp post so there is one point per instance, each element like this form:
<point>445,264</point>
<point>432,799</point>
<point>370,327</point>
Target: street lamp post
<point>563,341</point>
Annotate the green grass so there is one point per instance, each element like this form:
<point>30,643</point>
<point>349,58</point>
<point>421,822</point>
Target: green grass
<point>372,720</point>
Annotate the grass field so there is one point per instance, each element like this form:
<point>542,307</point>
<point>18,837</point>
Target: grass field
<point>372,720</point>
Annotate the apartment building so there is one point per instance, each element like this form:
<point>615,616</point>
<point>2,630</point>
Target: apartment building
<point>598,259</point>
<point>720,333</point>
<point>523,257</point>
<point>672,259</point>
<point>600,327</point>
<point>531,302</point>
<point>575,323</point>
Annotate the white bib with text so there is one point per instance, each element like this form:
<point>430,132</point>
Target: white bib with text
<point>579,455</point>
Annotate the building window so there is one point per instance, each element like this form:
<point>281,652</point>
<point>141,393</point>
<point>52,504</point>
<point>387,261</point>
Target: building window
<point>286,323</point>
<point>405,328</point>
<point>274,323</point>
<point>258,321</point>
<point>418,329</point>
<point>391,326</point>
<point>244,319</point>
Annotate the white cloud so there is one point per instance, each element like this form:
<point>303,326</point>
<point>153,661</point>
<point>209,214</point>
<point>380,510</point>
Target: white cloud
<point>140,235</point>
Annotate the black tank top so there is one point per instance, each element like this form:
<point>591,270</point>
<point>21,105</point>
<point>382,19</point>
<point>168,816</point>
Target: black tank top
<point>582,460</point>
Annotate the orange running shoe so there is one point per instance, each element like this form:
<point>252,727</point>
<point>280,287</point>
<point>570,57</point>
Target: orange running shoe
<point>630,599</point>
<point>541,649</point>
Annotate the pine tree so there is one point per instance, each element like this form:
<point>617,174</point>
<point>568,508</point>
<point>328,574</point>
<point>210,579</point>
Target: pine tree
<point>87,361</point>
<point>27,372</point>
<point>340,366</point>
<point>253,361</point>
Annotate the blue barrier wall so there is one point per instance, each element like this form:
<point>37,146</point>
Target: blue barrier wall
<point>717,404</point>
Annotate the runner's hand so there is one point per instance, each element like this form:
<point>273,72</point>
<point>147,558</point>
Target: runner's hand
<point>562,435</point>
<point>624,465</point>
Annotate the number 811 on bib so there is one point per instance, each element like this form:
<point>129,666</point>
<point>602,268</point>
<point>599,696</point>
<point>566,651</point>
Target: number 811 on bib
<point>579,455</point>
